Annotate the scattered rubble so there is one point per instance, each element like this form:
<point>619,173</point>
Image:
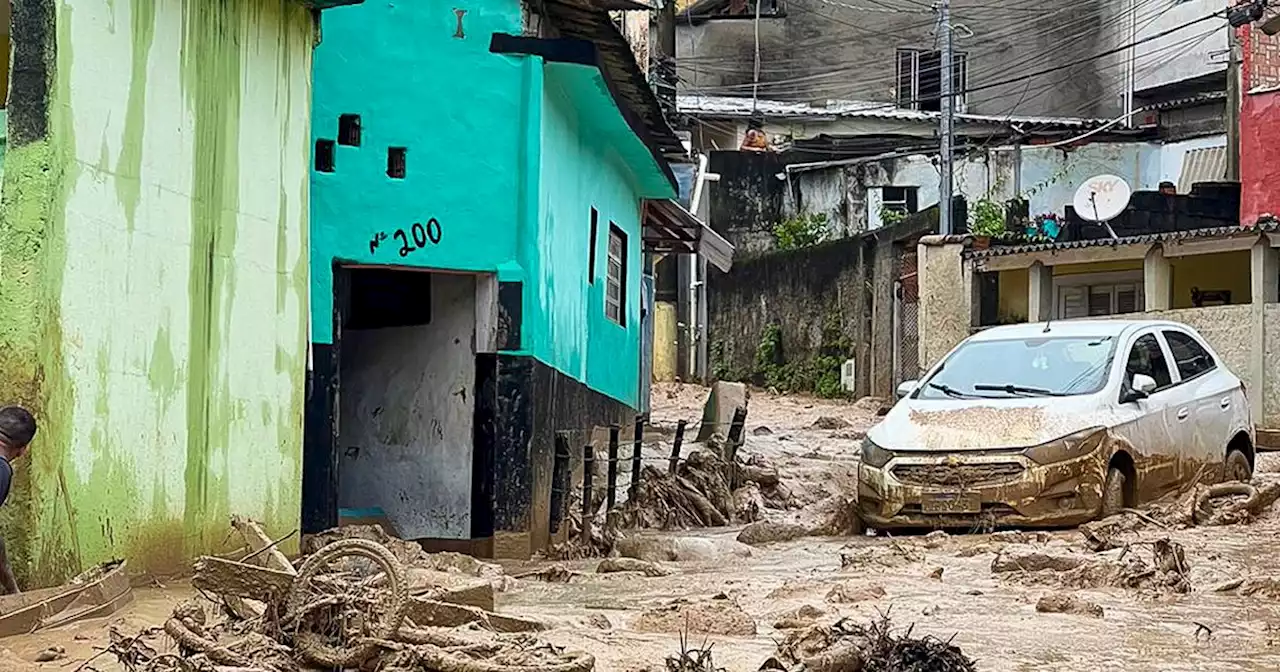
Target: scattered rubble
<point>896,554</point>
<point>767,532</point>
<point>848,647</point>
<point>600,621</point>
<point>748,503</point>
<point>350,604</point>
<point>717,412</point>
<point>1164,567</point>
<point>1063,603</point>
<point>655,548</point>
<point>718,616</point>
<point>848,593</point>
<point>800,617</point>
<point>615,565</point>
<point>830,422</point>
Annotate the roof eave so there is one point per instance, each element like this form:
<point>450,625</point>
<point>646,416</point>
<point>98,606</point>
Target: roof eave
<point>584,52</point>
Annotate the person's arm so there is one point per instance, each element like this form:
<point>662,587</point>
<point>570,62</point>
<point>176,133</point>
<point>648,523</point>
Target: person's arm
<point>7,580</point>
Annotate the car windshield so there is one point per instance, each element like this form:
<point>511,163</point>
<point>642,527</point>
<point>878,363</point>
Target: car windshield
<point>1024,367</point>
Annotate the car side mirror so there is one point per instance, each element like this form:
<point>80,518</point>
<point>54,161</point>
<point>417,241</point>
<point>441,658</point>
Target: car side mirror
<point>1141,388</point>
<point>906,387</point>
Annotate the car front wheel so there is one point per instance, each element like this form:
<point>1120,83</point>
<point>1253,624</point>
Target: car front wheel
<point>1113,493</point>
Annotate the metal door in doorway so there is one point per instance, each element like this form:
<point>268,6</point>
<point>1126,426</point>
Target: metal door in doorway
<point>906,318</point>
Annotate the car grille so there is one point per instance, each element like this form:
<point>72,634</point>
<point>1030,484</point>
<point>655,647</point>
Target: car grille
<point>957,474</point>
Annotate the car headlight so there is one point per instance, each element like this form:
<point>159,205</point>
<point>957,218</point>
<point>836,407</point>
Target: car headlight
<point>873,455</point>
<point>1068,447</point>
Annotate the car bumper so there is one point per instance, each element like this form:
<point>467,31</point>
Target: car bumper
<point>959,491</point>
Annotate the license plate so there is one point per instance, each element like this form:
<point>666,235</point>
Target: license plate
<point>949,502</point>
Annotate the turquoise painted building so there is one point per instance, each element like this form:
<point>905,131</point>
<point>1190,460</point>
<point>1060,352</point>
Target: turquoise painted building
<point>489,186</point>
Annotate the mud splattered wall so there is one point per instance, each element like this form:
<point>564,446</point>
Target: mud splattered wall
<point>155,275</point>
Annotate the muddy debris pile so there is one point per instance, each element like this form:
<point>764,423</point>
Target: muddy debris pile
<point>847,646</point>
<point>1160,565</point>
<point>350,604</point>
<point>1200,505</point>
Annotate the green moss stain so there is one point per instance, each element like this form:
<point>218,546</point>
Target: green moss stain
<point>129,166</point>
<point>35,521</point>
<point>211,80</point>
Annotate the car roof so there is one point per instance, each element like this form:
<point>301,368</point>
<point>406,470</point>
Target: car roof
<point>1070,329</point>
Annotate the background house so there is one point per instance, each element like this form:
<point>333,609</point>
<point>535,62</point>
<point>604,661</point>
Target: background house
<point>1259,119</point>
<point>155,276</point>
<point>486,198</point>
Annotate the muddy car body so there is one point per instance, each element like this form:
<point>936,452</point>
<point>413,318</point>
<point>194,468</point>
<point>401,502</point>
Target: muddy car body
<point>1055,425</point>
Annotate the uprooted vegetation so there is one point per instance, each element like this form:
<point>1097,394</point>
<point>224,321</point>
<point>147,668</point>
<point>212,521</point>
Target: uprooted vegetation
<point>351,604</point>
<point>876,647</point>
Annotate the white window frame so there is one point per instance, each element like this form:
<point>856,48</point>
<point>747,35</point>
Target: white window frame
<point>614,309</point>
<point>1134,277</point>
<point>962,60</point>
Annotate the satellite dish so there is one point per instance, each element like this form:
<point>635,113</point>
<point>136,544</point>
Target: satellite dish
<point>1102,198</point>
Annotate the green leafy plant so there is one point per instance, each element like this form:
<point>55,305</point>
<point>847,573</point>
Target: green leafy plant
<point>986,219</point>
<point>891,216</point>
<point>819,374</point>
<point>800,231</point>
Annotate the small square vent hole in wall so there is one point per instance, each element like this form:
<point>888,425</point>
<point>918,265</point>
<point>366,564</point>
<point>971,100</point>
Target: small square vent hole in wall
<point>349,130</point>
<point>396,162</point>
<point>324,156</point>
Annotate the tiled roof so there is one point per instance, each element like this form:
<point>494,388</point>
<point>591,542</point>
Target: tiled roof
<point>1270,226</point>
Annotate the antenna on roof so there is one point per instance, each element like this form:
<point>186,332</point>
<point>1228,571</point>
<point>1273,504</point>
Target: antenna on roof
<point>1047,324</point>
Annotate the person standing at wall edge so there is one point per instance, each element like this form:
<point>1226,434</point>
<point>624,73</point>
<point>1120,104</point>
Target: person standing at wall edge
<point>17,429</point>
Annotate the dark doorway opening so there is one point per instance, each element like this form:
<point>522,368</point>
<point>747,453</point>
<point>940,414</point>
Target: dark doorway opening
<point>391,408</point>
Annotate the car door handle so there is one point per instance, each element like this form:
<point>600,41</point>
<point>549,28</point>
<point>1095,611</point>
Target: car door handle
<point>1225,403</point>
<point>1183,413</point>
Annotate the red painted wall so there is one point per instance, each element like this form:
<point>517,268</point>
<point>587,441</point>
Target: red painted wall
<point>1259,126</point>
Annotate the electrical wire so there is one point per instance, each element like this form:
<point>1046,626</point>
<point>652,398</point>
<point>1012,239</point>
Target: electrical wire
<point>789,86</point>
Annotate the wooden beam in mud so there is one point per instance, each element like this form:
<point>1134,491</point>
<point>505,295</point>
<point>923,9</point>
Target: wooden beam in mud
<point>267,555</point>
<point>227,577</point>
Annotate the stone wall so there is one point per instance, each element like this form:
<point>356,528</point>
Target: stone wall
<point>817,297</point>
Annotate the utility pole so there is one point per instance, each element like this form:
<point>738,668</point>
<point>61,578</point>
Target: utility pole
<point>947,130</point>
<point>1233,104</point>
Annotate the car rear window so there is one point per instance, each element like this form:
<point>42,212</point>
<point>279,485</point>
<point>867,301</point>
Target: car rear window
<point>1191,357</point>
<point>1051,366</point>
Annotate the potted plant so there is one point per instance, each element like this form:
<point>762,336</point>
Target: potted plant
<point>986,220</point>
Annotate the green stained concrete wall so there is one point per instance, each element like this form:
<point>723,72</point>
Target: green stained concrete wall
<point>507,153</point>
<point>154,291</point>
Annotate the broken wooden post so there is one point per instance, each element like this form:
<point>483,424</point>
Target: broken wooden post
<point>612,494</point>
<point>636,450</point>
<point>559,480</point>
<point>735,441</point>
<point>675,446</point>
<point>588,466</point>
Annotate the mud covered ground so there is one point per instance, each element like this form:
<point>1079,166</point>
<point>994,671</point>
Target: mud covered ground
<point>945,586</point>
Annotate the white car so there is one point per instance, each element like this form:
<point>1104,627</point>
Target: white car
<point>1055,424</point>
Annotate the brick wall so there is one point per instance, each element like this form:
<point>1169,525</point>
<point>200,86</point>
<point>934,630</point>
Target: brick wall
<point>1259,117</point>
<point>1261,58</point>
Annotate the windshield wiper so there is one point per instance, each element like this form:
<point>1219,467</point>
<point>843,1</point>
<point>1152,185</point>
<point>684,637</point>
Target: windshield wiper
<point>1019,389</point>
<point>948,390</point>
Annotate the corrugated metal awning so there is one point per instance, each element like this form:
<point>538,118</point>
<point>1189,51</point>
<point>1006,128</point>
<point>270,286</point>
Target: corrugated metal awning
<point>1208,164</point>
<point>671,229</point>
